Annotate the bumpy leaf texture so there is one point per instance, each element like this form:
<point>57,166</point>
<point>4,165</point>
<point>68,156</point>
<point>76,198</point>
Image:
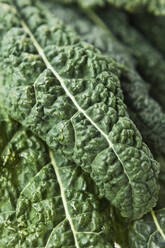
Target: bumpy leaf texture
<point>148,232</point>
<point>155,6</point>
<point>43,204</point>
<point>161,158</point>
<point>151,118</point>
<point>68,94</point>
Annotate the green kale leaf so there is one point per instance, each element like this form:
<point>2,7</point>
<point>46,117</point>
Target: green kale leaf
<point>43,204</point>
<point>148,232</point>
<point>156,7</point>
<point>68,94</point>
<point>156,34</point>
<point>149,61</point>
<point>151,118</point>
<point>160,157</point>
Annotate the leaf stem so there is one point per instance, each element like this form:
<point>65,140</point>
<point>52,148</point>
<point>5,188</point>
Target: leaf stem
<point>157,224</point>
<point>64,200</point>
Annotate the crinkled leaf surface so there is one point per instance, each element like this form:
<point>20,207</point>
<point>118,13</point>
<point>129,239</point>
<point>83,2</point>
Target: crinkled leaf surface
<point>151,118</point>
<point>161,158</point>
<point>148,232</point>
<point>43,205</point>
<point>67,93</point>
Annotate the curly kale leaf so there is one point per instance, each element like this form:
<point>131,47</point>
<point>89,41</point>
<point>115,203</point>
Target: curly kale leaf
<point>136,92</point>
<point>156,7</point>
<point>148,232</point>
<point>144,110</point>
<point>43,204</point>
<point>67,93</point>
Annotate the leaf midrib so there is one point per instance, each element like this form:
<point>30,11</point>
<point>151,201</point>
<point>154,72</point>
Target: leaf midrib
<point>64,200</point>
<point>157,224</point>
<point>50,67</point>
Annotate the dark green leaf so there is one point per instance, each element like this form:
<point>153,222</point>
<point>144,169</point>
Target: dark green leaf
<point>156,34</point>
<point>155,6</point>
<point>149,232</point>
<point>148,116</point>
<point>149,61</point>
<point>45,207</point>
<point>67,93</point>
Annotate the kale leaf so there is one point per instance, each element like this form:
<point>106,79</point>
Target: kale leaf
<point>156,7</point>
<point>148,232</point>
<point>68,94</point>
<point>149,61</point>
<point>151,118</point>
<point>43,204</point>
<point>156,34</point>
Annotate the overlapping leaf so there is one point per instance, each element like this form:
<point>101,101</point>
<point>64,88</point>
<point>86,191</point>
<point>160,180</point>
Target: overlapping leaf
<point>155,34</point>
<point>155,6</point>
<point>149,232</point>
<point>42,205</point>
<point>151,118</point>
<point>67,93</point>
<point>149,61</point>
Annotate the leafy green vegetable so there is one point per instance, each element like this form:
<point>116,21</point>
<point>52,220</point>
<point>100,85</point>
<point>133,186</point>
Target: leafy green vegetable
<point>45,207</point>
<point>85,3</point>
<point>136,91</point>
<point>149,60</point>
<point>155,6</point>
<point>74,170</point>
<point>155,34</point>
<point>161,159</point>
<point>149,232</point>
<point>80,113</point>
